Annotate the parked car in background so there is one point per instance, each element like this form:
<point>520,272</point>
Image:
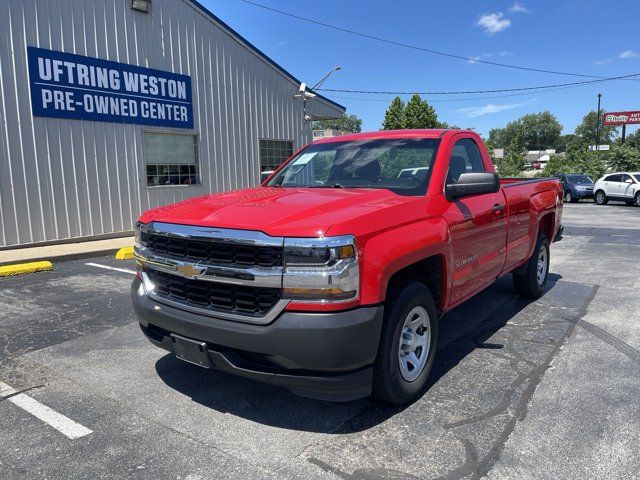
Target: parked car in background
<point>576,186</point>
<point>621,186</point>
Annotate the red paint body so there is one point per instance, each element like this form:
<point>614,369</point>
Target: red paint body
<point>476,243</point>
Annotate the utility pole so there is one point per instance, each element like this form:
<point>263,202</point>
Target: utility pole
<point>598,123</point>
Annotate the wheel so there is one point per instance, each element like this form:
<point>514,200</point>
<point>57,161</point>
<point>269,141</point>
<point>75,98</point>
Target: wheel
<point>601,198</point>
<point>531,279</point>
<point>637,199</point>
<point>407,344</point>
<point>631,203</point>
<point>568,197</point>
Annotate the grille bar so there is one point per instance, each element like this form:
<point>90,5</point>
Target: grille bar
<point>214,252</point>
<point>221,297</point>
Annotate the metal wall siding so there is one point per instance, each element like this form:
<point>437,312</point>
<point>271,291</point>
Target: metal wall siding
<point>63,179</point>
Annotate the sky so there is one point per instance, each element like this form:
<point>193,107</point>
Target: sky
<point>588,37</point>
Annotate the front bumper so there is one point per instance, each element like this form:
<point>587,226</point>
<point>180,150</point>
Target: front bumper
<point>321,355</point>
<point>579,194</point>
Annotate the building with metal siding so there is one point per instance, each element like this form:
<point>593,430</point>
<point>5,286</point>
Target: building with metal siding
<point>75,178</point>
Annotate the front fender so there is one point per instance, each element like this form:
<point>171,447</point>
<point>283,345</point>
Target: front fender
<point>388,252</point>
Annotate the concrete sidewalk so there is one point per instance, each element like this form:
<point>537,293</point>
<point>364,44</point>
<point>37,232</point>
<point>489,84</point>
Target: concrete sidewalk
<point>66,251</point>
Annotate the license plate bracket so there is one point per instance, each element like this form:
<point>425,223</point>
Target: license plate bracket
<point>191,351</point>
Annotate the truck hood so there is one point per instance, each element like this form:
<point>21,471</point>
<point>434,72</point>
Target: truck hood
<point>304,212</point>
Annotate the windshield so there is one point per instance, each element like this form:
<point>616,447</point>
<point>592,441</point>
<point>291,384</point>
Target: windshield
<point>579,179</point>
<point>399,165</point>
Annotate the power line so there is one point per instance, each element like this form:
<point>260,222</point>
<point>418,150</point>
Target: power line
<point>415,47</point>
<point>470,92</point>
<point>467,99</point>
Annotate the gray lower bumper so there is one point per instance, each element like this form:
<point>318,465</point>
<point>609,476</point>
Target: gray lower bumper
<point>321,355</point>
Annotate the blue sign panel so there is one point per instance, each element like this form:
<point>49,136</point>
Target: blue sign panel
<point>64,85</point>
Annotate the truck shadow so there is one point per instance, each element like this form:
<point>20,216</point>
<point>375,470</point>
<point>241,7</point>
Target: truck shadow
<point>462,331</point>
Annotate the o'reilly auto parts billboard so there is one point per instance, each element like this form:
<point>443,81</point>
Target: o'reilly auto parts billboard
<point>621,118</point>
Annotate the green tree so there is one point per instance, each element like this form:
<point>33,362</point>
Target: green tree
<point>577,160</point>
<point>540,130</point>
<point>587,130</point>
<point>419,114</point>
<point>535,131</point>
<point>624,158</point>
<point>394,118</point>
<point>512,164</point>
<point>564,141</point>
<point>498,137</point>
<point>346,123</point>
<point>633,140</point>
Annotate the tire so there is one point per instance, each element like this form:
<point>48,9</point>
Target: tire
<point>637,199</point>
<point>531,279</point>
<point>568,197</point>
<point>600,198</point>
<point>631,203</point>
<point>394,381</point>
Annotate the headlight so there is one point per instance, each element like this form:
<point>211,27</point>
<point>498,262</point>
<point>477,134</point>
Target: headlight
<point>321,269</point>
<point>140,236</point>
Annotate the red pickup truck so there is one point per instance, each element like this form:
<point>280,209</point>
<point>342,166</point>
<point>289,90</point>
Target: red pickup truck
<point>330,278</point>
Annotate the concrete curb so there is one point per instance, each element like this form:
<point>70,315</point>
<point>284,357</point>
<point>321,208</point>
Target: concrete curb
<point>22,268</point>
<point>65,252</point>
<point>71,256</point>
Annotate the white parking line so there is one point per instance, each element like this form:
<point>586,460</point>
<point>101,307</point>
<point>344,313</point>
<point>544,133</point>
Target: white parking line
<point>115,269</point>
<point>63,424</point>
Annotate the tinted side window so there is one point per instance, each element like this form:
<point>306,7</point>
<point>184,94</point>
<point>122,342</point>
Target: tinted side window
<point>465,158</point>
<point>612,178</point>
<point>624,177</point>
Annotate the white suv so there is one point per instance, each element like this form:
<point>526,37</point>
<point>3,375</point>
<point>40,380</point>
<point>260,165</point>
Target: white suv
<point>623,186</point>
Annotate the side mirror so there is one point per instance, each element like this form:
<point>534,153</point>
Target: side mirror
<point>473,184</point>
<point>628,180</point>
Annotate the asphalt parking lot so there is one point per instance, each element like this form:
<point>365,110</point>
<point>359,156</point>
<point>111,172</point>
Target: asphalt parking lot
<point>520,389</point>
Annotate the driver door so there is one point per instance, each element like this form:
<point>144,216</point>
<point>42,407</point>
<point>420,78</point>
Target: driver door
<point>478,226</point>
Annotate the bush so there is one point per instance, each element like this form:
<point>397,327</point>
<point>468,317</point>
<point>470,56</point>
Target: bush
<point>512,165</point>
<point>624,158</point>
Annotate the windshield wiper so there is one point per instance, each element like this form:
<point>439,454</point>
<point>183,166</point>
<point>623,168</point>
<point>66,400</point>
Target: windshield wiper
<point>335,185</point>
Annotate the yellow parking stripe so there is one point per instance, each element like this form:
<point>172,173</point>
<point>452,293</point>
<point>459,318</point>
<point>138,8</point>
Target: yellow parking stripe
<point>21,268</point>
<point>125,253</point>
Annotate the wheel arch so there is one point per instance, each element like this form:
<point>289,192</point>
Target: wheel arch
<point>430,271</point>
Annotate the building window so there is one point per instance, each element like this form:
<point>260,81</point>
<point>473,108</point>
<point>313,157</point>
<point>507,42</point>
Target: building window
<point>171,159</point>
<point>273,153</point>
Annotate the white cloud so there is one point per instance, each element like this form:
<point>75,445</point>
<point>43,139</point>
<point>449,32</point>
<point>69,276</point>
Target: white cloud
<point>603,62</point>
<point>473,112</point>
<point>627,54</point>
<point>519,8</point>
<point>475,58</point>
<point>493,22</point>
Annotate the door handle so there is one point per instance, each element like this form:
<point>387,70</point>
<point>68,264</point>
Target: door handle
<point>499,207</point>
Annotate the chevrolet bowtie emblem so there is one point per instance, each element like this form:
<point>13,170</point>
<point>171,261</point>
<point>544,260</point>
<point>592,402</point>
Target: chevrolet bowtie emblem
<point>190,271</point>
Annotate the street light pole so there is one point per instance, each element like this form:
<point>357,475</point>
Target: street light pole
<point>324,79</point>
<point>598,122</point>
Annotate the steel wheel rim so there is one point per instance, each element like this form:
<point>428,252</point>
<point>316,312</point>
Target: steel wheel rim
<point>541,270</point>
<point>415,344</point>
<point>600,197</point>
<point>567,197</point>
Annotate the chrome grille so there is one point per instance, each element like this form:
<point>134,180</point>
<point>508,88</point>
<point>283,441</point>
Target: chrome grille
<point>214,252</point>
<point>237,299</point>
